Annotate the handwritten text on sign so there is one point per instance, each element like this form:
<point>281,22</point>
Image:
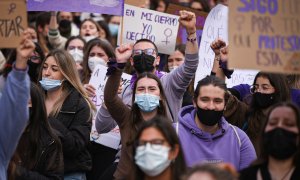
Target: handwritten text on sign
<point>13,21</point>
<point>98,80</point>
<point>265,35</point>
<point>216,26</point>
<point>161,28</point>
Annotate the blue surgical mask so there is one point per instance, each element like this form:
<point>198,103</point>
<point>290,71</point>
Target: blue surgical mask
<point>113,29</point>
<point>50,84</point>
<point>152,161</point>
<point>147,102</point>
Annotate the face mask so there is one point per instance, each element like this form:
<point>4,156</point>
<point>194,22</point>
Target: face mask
<point>143,63</point>
<point>264,100</point>
<point>146,102</point>
<point>280,143</point>
<point>171,68</point>
<point>113,29</point>
<point>50,84</point>
<point>152,162</point>
<point>94,61</point>
<point>209,117</point>
<point>88,38</point>
<point>77,55</point>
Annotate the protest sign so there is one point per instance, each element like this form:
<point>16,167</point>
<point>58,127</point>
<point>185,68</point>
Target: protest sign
<point>138,23</point>
<point>265,35</point>
<point>200,20</point>
<point>98,80</point>
<point>13,22</point>
<point>114,7</point>
<point>216,26</point>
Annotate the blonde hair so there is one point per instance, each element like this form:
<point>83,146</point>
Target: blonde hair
<point>68,69</point>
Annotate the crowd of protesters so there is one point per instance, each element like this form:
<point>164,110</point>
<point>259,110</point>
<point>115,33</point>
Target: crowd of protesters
<point>169,129</point>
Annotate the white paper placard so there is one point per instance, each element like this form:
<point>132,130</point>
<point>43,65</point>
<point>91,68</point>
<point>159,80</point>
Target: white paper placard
<point>216,26</point>
<point>98,80</point>
<point>160,28</point>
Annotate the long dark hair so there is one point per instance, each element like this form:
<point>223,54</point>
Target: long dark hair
<point>107,48</point>
<point>263,157</point>
<point>164,126</point>
<point>71,39</point>
<point>32,136</point>
<point>257,116</point>
<point>136,116</point>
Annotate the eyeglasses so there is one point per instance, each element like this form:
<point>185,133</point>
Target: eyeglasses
<point>155,144</point>
<point>263,88</point>
<point>149,51</point>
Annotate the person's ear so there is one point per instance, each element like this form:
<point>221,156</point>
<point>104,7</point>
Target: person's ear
<point>194,103</point>
<point>131,61</point>
<point>157,60</point>
<point>173,153</point>
<point>40,29</point>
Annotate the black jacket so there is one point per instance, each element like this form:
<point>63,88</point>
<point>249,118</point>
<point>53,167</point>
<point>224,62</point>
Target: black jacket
<point>49,165</point>
<point>74,125</point>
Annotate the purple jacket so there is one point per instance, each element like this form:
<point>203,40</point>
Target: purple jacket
<point>229,144</point>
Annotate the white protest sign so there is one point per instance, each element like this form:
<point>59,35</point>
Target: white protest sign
<point>216,26</point>
<point>160,28</point>
<point>98,80</point>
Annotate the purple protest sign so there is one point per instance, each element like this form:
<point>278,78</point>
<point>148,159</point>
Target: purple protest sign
<point>114,7</point>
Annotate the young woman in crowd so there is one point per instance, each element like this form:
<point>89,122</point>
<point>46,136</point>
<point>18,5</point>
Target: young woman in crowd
<point>75,46</point>
<point>148,100</point>
<point>69,109</point>
<point>279,146</point>
<point>157,151</point>
<point>267,89</point>
<point>98,51</point>
<point>34,63</point>
<point>39,153</point>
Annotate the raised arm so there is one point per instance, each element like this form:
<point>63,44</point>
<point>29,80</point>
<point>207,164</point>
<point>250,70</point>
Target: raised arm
<point>181,77</point>
<point>55,39</point>
<point>14,101</point>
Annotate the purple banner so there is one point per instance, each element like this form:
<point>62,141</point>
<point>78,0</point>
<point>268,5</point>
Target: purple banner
<point>113,7</point>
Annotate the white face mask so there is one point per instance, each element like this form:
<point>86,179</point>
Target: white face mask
<point>88,38</point>
<point>94,61</point>
<point>171,68</point>
<point>152,161</point>
<point>77,55</point>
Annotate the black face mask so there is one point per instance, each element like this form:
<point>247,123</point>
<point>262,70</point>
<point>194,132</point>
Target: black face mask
<point>264,100</point>
<point>209,117</point>
<point>280,143</point>
<point>143,63</point>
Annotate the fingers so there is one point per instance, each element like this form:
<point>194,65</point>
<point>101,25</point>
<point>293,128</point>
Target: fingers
<point>186,15</point>
<point>218,43</point>
<point>90,89</point>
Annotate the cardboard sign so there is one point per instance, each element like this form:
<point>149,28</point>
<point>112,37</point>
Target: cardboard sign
<point>216,26</point>
<point>160,28</point>
<point>114,7</point>
<point>98,80</point>
<point>265,35</point>
<point>13,22</point>
<point>200,20</point>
